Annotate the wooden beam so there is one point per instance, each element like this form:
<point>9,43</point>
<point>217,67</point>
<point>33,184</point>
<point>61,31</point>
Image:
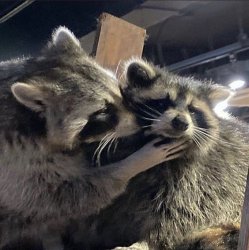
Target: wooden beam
<point>117,40</point>
<point>240,99</point>
<point>244,227</point>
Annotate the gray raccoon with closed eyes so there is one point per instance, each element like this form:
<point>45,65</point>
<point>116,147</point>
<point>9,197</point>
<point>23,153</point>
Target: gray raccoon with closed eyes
<point>50,105</point>
<point>168,205</point>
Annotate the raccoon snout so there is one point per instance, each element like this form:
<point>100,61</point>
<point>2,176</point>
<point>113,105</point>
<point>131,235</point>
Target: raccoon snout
<point>179,124</point>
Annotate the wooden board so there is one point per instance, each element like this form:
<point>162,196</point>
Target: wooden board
<point>240,99</point>
<point>244,227</point>
<point>117,40</point>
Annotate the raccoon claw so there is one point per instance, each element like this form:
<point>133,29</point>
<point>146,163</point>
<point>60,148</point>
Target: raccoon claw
<point>155,153</point>
<point>174,150</point>
<point>174,156</point>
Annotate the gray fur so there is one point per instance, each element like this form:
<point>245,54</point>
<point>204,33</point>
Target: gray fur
<point>205,188</point>
<point>45,179</point>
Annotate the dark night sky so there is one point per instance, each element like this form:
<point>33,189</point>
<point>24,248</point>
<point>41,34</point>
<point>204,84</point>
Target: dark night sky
<point>26,32</point>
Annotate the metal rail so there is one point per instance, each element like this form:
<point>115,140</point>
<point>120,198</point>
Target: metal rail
<point>210,56</point>
<point>14,11</point>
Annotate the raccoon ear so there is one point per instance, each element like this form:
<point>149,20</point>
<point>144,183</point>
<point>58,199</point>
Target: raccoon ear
<point>140,75</point>
<point>62,36</point>
<point>30,96</point>
<point>219,93</point>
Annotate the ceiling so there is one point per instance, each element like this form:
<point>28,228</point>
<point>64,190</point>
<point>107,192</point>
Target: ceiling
<point>179,32</point>
<point>176,29</point>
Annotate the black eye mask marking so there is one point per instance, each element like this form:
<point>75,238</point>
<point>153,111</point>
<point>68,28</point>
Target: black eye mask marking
<point>101,121</point>
<point>198,116</point>
<point>161,105</point>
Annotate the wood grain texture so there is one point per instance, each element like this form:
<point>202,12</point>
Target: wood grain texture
<point>244,228</point>
<point>117,40</point>
<point>240,99</point>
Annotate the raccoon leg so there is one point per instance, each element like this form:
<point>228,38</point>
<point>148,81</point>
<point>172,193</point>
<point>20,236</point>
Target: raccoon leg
<point>215,238</point>
<point>107,230</point>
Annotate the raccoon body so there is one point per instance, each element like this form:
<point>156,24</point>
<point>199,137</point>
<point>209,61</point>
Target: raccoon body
<point>50,106</point>
<point>202,189</point>
<point>215,238</point>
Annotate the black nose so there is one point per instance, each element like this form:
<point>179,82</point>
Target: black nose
<point>179,124</point>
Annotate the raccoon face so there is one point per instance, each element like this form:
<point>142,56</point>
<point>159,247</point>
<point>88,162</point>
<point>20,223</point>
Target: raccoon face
<point>72,95</point>
<point>172,106</point>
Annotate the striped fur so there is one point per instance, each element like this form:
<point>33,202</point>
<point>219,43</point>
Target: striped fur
<point>168,204</point>
<point>50,106</point>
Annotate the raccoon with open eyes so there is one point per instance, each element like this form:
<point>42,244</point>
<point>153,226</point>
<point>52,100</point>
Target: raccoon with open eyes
<point>183,203</point>
<point>50,106</point>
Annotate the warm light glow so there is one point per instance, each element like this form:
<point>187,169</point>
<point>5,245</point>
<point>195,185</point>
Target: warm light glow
<point>237,84</point>
<point>219,108</point>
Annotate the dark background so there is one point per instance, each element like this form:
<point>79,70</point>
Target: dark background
<point>178,31</point>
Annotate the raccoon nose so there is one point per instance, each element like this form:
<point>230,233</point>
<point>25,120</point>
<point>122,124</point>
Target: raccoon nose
<point>179,124</point>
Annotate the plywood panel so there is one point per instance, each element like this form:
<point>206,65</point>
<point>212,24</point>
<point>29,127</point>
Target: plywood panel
<point>240,99</point>
<point>117,40</point>
<point>244,228</point>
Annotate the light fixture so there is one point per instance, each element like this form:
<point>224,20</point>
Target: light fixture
<point>219,108</point>
<point>237,84</point>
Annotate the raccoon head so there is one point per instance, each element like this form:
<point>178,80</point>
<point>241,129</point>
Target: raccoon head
<point>70,94</point>
<point>172,106</point>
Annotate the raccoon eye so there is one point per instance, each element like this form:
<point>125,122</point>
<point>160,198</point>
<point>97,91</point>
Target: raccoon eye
<point>101,121</point>
<point>161,104</point>
<point>104,113</point>
<point>192,109</point>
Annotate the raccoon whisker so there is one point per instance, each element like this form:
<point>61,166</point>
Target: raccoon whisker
<point>116,141</point>
<point>148,113</point>
<point>137,107</point>
<point>211,137</point>
<point>215,139</point>
<point>99,146</point>
<point>204,129</point>
<point>196,141</point>
<point>201,138</point>
<point>201,129</point>
<point>199,143</point>
<point>205,132</point>
<point>101,143</point>
<point>207,136</point>
<point>117,68</point>
<point>154,110</point>
<point>148,126</point>
<point>111,143</point>
<point>146,118</point>
<point>108,139</point>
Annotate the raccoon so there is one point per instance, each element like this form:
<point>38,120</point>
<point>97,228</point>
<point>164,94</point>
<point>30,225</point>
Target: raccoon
<point>200,190</point>
<point>223,237</point>
<point>50,105</point>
